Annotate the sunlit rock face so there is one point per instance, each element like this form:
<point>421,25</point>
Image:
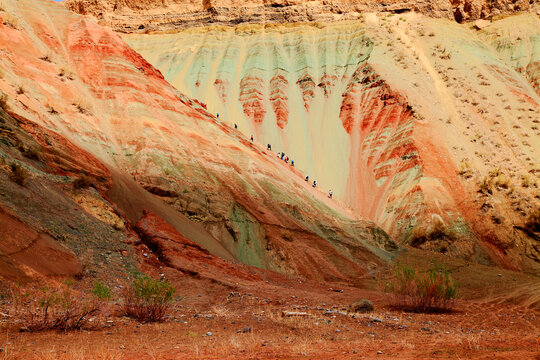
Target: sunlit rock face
<point>400,115</point>
<point>150,15</point>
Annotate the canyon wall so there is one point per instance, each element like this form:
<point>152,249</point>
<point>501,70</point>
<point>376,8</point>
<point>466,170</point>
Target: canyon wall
<point>142,16</point>
<point>402,116</point>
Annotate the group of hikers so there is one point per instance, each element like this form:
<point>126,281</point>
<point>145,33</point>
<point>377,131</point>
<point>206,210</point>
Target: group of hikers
<point>281,155</point>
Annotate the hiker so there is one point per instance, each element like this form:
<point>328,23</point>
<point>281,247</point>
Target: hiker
<point>251,138</point>
<point>286,159</point>
<point>307,178</point>
<point>282,155</point>
<point>269,147</point>
<point>292,162</point>
<point>314,183</point>
<point>217,115</point>
<point>235,126</point>
<point>278,154</point>
<point>330,194</point>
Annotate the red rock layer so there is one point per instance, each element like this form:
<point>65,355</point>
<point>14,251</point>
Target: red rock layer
<point>251,97</point>
<point>307,86</point>
<point>327,83</point>
<point>279,99</point>
<point>379,123</point>
<point>222,87</point>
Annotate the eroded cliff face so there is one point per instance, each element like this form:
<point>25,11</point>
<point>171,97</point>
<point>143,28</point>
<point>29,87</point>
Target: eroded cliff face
<point>142,16</point>
<point>146,146</point>
<point>404,117</point>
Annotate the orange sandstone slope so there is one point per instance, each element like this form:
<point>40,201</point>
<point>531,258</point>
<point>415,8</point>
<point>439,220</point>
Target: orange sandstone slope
<point>145,146</point>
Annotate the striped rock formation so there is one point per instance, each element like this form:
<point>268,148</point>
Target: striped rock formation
<point>402,116</point>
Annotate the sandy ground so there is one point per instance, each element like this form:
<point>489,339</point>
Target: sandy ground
<point>249,321</point>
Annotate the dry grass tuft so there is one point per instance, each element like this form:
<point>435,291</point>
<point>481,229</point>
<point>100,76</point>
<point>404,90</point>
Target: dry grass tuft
<point>57,308</point>
<point>3,101</point>
<point>148,300</point>
<point>434,291</point>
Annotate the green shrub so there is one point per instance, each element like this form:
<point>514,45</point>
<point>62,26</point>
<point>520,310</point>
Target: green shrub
<point>148,300</point>
<point>102,291</point>
<point>434,291</point>
<point>18,174</point>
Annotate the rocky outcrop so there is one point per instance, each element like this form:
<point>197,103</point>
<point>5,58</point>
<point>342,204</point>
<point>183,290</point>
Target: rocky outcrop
<point>142,16</point>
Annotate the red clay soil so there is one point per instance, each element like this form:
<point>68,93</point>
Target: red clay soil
<point>213,322</point>
<point>234,311</point>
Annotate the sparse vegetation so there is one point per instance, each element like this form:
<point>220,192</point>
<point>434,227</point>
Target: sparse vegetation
<point>3,101</point>
<point>66,72</point>
<point>434,291</point>
<point>148,300</point>
<point>46,58</point>
<point>18,174</point>
<point>11,21</point>
<point>53,309</point>
<point>533,221</point>
<point>20,90</point>
<point>82,107</point>
<point>465,169</point>
<point>51,110</point>
<point>102,291</point>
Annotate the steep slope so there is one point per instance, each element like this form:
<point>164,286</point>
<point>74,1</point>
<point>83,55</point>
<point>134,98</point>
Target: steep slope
<point>407,118</point>
<point>141,16</point>
<point>71,77</point>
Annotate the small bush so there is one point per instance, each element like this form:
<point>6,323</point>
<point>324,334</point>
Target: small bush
<point>486,185</point>
<point>148,300</point>
<point>51,110</point>
<point>533,221</point>
<point>53,309</point>
<point>3,101</point>
<point>82,181</point>
<point>18,174</point>
<point>11,21</point>
<point>434,291</point>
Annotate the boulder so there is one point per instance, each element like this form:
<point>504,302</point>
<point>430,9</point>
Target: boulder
<point>361,306</point>
<point>481,24</point>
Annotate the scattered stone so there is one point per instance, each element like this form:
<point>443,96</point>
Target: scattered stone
<point>379,352</point>
<point>361,306</point>
<point>481,24</point>
<point>336,290</point>
<point>209,333</point>
<point>247,329</point>
<point>376,320</point>
<point>294,313</point>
